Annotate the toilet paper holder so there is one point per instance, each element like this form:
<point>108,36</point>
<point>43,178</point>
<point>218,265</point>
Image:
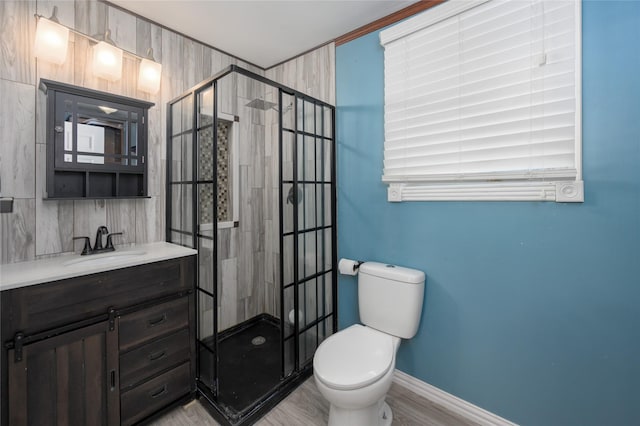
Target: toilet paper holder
<point>357,265</point>
<point>349,266</point>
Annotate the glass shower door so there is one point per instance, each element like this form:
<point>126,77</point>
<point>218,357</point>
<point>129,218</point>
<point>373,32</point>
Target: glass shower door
<point>191,203</point>
<point>308,227</point>
<point>251,186</point>
<point>206,193</point>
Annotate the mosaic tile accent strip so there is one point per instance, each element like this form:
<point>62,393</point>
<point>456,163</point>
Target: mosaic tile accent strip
<point>205,158</point>
<point>205,198</point>
<point>205,172</point>
<point>224,168</point>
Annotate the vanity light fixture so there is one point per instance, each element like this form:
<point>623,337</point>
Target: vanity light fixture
<point>52,39</point>
<point>149,75</point>
<point>107,59</point>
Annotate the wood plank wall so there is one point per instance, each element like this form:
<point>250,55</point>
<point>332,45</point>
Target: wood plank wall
<point>39,229</point>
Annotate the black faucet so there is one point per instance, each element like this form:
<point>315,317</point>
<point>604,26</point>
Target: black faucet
<point>102,230</point>
<point>97,246</point>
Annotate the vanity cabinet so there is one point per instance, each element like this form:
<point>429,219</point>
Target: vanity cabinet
<point>155,358</point>
<point>67,379</point>
<point>108,348</point>
<point>96,143</point>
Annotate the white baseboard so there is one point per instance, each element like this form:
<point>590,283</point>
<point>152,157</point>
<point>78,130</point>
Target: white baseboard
<point>452,403</point>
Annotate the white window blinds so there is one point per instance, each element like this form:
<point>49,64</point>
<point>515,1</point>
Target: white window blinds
<point>483,91</point>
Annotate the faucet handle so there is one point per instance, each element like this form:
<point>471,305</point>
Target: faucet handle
<point>87,245</point>
<point>109,242</point>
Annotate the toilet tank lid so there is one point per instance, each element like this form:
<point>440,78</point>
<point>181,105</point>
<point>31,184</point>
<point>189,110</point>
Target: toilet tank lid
<point>392,272</point>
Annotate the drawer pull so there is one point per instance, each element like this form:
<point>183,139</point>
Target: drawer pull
<point>159,392</point>
<point>153,323</point>
<point>158,355</point>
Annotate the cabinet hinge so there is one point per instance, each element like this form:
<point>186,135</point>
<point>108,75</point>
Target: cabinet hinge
<point>112,319</point>
<point>17,347</point>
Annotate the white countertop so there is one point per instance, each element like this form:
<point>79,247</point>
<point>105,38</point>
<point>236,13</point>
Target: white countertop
<point>22,274</point>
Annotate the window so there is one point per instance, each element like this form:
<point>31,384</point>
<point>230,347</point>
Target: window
<point>482,102</point>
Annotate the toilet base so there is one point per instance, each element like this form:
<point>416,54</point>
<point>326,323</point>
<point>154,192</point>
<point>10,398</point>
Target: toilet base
<point>378,414</point>
<point>385,414</point>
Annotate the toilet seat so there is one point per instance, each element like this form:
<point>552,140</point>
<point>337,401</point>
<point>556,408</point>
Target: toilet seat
<point>354,358</point>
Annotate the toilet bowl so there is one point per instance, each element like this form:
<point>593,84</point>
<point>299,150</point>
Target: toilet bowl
<point>353,368</point>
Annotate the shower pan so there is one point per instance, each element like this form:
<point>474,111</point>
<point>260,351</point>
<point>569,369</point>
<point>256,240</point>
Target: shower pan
<point>251,186</point>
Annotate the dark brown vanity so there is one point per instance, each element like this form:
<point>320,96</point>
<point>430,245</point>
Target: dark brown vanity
<point>107,348</point>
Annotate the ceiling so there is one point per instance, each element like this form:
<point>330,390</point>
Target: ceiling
<point>263,32</point>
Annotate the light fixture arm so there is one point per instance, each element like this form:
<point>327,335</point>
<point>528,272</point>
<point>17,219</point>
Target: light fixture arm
<point>54,16</point>
<point>107,38</point>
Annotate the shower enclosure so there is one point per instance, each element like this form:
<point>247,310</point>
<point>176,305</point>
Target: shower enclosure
<point>251,186</point>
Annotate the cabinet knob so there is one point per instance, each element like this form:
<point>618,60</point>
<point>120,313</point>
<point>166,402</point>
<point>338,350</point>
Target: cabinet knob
<point>158,392</point>
<point>157,321</point>
<point>158,355</point>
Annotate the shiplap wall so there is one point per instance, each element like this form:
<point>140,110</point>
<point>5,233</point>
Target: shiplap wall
<point>38,228</point>
<point>312,73</point>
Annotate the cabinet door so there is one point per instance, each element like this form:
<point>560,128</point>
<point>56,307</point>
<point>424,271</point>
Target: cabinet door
<point>69,379</point>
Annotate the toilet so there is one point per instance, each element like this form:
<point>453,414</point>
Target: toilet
<point>353,368</point>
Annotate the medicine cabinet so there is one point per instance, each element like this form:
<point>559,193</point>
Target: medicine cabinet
<point>96,143</point>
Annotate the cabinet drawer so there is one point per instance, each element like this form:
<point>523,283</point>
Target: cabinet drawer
<point>152,358</point>
<point>36,308</point>
<point>149,397</point>
<point>147,324</point>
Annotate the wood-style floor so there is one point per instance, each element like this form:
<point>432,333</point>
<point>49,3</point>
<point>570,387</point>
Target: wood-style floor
<point>306,407</point>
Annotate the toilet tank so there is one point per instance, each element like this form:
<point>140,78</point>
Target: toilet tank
<point>390,298</point>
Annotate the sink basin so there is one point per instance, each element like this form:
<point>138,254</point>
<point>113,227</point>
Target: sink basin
<point>106,258</point>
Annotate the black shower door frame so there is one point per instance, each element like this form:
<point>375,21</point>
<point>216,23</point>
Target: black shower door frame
<point>298,181</point>
<point>195,236</point>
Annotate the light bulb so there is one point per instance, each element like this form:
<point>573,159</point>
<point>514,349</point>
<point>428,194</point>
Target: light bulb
<point>107,61</point>
<point>52,41</point>
<point>149,76</point>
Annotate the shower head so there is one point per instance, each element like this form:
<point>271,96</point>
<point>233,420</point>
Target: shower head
<point>266,105</point>
<point>261,104</point>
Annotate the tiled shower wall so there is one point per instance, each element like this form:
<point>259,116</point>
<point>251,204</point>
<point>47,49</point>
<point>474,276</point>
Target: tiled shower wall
<point>249,255</point>
<point>39,228</point>
<point>241,249</point>
<point>312,73</point>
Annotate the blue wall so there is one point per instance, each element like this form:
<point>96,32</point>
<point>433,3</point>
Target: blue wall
<point>532,310</point>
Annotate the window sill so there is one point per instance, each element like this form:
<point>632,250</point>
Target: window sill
<point>560,191</point>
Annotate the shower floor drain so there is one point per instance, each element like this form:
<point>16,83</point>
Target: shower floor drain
<point>258,340</point>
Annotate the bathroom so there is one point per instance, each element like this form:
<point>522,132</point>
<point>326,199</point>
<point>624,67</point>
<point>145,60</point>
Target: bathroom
<point>530,307</point>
